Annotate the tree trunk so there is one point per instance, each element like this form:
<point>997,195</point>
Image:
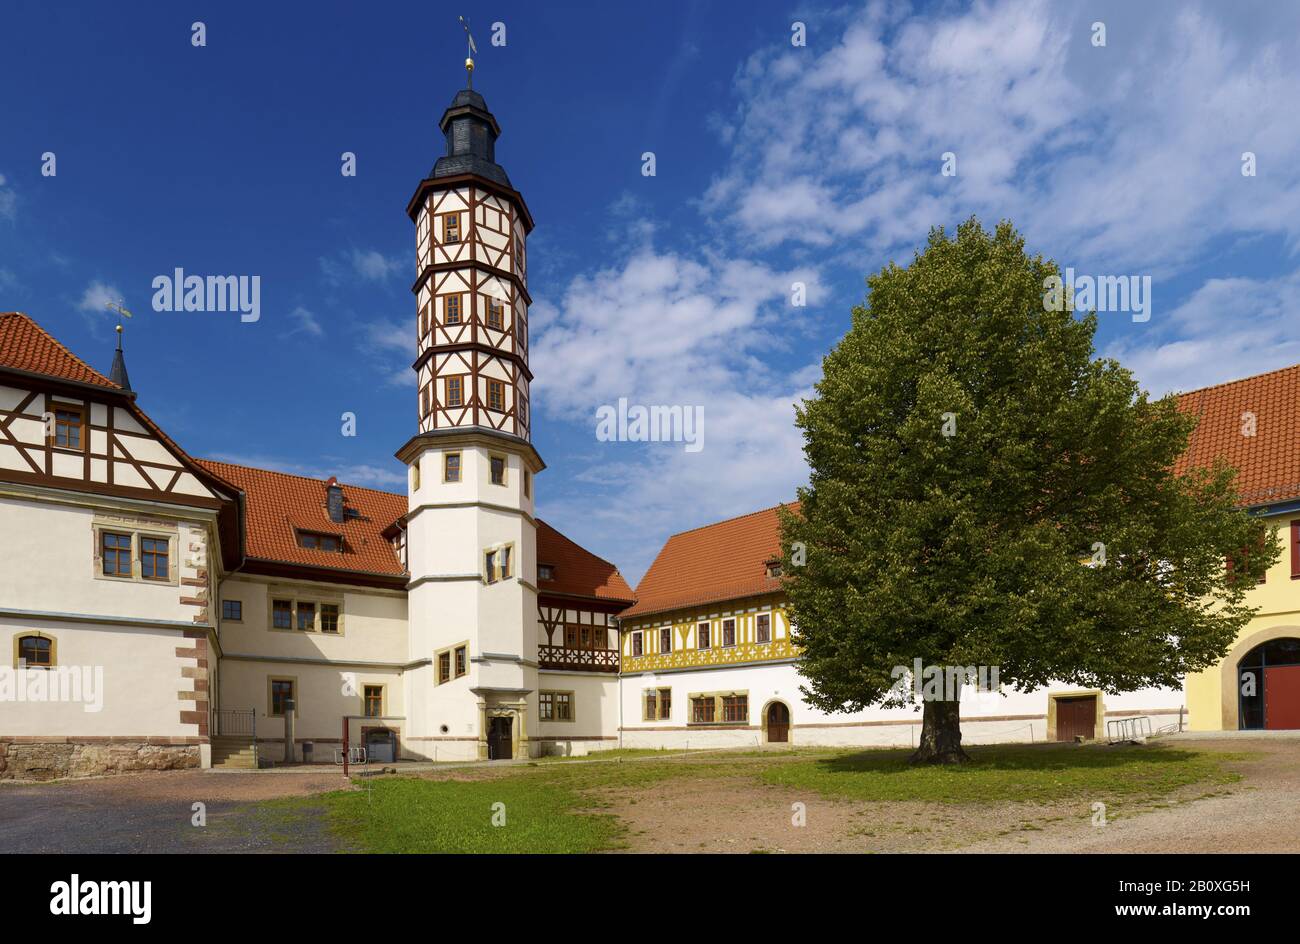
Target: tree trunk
<point>940,735</point>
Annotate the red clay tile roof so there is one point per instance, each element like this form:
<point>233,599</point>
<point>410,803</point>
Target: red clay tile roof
<point>577,571</point>
<point>278,504</point>
<point>723,561</point>
<point>1268,463</point>
<point>25,345</point>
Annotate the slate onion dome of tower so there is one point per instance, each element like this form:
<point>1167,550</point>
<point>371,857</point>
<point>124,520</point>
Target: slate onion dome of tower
<point>471,132</point>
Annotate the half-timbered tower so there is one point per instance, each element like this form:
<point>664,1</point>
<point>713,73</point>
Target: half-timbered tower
<point>471,537</point>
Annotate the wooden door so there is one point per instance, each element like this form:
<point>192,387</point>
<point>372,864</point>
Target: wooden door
<point>778,723</point>
<point>1076,716</point>
<point>500,743</point>
<point>1282,697</point>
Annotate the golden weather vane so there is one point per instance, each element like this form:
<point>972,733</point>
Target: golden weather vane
<point>121,313</point>
<point>473,51</point>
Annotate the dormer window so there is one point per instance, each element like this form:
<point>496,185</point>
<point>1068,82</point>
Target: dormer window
<point>316,541</point>
<point>545,572</point>
<point>773,570</point>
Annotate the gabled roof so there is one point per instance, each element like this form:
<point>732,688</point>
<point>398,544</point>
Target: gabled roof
<point>578,572</point>
<point>26,346</point>
<point>1268,462</point>
<point>278,505</point>
<point>723,561</point>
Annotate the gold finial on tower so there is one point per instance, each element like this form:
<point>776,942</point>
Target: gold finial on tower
<point>469,57</point>
<point>121,313</point>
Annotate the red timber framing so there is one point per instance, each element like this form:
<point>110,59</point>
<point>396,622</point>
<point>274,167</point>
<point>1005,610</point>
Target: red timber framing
<point>579,634</point>
<point>104,447</point>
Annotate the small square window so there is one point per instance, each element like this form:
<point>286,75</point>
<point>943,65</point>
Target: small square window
<point>545,572</point>
<point>232,610</point>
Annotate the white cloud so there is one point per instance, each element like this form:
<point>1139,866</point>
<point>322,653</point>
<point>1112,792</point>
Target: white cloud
<point>366,264</point>
<point>97,296</point>
<point>8,200</point>
<point>665,329</point>
<point>1229,328</point>
<point>1126,155</point>
<point>305,323</point>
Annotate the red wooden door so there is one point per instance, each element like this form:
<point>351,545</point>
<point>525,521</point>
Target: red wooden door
<point>778,723</point>
<point>1076,716</point>
<point>1282,697</point>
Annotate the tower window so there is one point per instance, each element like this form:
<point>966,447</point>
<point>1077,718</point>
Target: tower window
<point>424,402</point>
<point>455,391</point>
<point>451,228</point>
<point>498,470</point>
<point>451,309</point>
<point>496,395</point>
<point>451,467</point>
<point>495,314</point>
<point>528,484</point>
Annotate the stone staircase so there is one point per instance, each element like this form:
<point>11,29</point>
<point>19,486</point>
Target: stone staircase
<point>234,750</point>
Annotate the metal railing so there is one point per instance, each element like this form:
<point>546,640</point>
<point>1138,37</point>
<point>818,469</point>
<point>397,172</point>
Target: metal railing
<point>235,721</point>
<point>590,660</point>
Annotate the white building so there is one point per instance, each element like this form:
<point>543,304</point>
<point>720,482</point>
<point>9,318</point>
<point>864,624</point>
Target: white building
<point>166,611</point>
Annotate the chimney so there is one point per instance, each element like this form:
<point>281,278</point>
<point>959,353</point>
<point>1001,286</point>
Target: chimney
<point>334,503</point>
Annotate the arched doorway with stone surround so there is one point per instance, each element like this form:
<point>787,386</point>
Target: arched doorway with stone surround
<point>776,721</point>
<point>1230,679</point>
<point>1268,686</point>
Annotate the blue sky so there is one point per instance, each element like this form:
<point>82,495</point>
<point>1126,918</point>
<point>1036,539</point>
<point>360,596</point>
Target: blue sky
<point>774,164</point>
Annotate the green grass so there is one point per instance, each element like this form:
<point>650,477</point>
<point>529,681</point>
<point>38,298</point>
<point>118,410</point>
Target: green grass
<point>413,815</point>
<point>1033,774</point>
<point>558,807</point>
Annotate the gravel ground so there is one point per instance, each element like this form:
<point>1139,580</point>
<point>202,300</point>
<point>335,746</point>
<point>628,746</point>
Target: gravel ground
<point>1261,813</point>
<point>152,812</point>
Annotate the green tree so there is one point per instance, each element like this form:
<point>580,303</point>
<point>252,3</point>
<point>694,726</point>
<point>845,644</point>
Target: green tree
<point>972,466</point>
